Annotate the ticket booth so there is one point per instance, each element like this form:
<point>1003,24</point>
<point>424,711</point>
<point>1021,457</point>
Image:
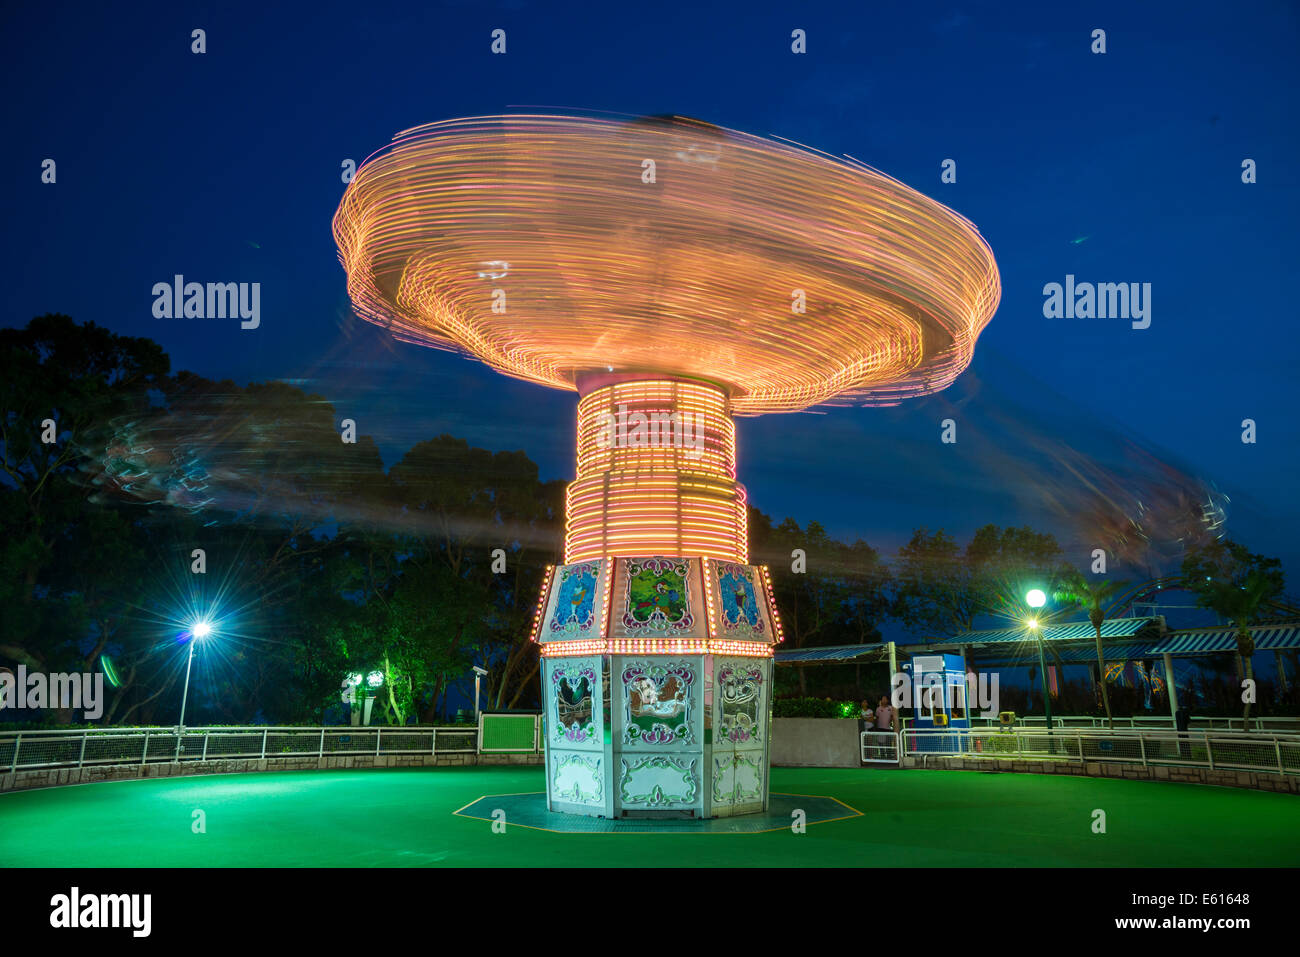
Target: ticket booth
<point>939,701</point>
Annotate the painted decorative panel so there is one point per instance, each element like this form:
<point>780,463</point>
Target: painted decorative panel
<point>659,702</point>
<point>658,598</point>
<point>738,778</point>
<point>749,777</point>
<point>724,778</point>
<point>576,601</point>
<point>577,778</point>
<point>738,702</point>
<point>660,781</point>
<point>575,712</point>
<point>739,603</point>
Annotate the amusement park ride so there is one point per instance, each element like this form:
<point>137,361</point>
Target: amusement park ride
<point>673,274</point>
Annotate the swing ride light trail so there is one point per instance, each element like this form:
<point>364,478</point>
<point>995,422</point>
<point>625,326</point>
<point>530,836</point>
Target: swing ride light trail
<point>692,274</point>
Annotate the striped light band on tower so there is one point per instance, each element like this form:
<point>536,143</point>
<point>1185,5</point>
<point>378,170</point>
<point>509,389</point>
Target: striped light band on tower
<point>656,646</point>
<point>655,473</point>
<point>771,604</point>
<point>604,602</point>
<point>547,578</point>
<point>708,596</point>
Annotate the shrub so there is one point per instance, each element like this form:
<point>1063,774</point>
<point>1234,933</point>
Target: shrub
<point>813,708</point>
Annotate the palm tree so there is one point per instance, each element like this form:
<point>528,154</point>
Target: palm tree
<point>1092,595</point>
<point>1237,585</point>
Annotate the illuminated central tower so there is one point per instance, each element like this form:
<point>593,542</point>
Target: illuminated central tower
<point>656,471</point>
<point>656,634</point>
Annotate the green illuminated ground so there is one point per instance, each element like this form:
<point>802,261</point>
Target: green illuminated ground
<point>401,818</point>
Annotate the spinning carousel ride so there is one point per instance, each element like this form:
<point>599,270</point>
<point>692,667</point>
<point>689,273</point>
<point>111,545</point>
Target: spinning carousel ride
<point>674,275</point>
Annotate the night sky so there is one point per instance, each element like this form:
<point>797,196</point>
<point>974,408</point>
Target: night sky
<point>1122,167</point>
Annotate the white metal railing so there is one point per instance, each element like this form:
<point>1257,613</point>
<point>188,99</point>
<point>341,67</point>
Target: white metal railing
<point>1223,750</point>
<point>1145,722</point>
<point>23,750</point>
<point>880,747</point>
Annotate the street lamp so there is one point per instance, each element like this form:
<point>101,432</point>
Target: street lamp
<point>479,674</point>
<point>1036,599</point>
<point>200,630</point>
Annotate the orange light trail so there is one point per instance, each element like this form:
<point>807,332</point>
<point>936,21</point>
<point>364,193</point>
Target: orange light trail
<point>533,244</point>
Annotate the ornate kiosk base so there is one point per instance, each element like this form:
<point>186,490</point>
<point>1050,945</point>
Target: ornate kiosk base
<point>671,726</point>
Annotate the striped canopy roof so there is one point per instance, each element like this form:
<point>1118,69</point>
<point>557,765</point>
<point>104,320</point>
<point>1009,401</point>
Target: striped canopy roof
<point>828,654</point>
<point>1206,640</point>
<point>1077,642</point>
<point>1070,631</point>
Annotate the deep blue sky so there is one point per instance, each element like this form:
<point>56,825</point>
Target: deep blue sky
<point>226,167</point>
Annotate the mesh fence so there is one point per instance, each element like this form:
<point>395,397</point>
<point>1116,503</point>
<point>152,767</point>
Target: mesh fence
<point>287,744</point>
<point>1244,753</point>
<point>148,746</point>
<point>1289,754</point>
<point>35,752</point>
<point>406,742</point>
<point>1250,752</point>
<point>1129,748</point>
<point>1179,749</point>
<point>233,744</point>
<point>350,742</point>
<point>879,747</point>
<point>457,741</point>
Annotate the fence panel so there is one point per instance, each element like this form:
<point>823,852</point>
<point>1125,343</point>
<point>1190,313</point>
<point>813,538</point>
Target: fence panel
<point>1244,753</point>
<point>1227,750</point>
<point>401,741</point>
<point>350,741</point>
<point>292,743</point>
<point>879,747</point>
<point>39,751</point>
<point>457,741</point>
<point>233,743</point>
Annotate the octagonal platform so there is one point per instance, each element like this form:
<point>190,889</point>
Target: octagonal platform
<point>529,810</point>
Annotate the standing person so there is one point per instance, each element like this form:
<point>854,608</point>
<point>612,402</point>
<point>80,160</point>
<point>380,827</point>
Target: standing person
<point>886,716</point>
<point>866,718</point>
<point>886,721</point>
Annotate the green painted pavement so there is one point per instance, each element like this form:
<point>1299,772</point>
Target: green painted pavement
<point>407,818</point>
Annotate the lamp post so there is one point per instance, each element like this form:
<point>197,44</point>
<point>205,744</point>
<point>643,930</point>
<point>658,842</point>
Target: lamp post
<point>479,674</point>
<point>199,631</point>
<point>1036,599</point>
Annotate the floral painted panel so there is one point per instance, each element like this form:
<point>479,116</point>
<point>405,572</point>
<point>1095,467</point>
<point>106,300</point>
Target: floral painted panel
<point>659,702</point>
<point>574,607</point>
<point>575,701</point>
<point>659,781</point>
<point>740,602</point>
<point>738,700</point>
<point>658,598</point>
<point>577,778</point>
